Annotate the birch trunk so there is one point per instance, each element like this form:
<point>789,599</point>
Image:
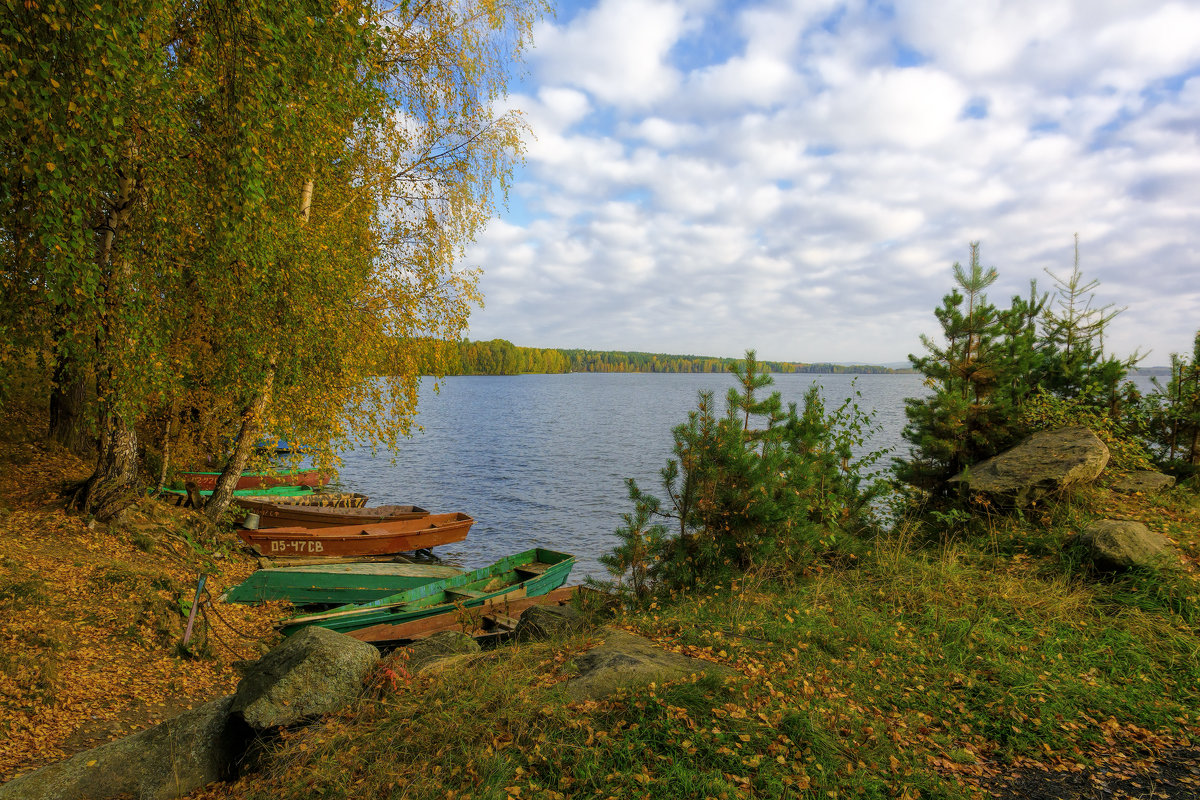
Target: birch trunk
<point>247,434</point>
<point>172,414</point>
<point>112,486</point>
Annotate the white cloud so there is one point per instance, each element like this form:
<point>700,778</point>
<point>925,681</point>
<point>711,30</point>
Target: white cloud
<point>778,181</point>
<point>616,51</point>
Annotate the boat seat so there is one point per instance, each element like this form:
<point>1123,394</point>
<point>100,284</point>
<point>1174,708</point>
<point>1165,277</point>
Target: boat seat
<point>468,593</point>
<point>534,568</point>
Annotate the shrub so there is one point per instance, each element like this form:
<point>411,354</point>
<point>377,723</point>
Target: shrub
<point>740,496</point>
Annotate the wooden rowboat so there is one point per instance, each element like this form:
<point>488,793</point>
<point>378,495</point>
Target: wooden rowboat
<point>310,498</point>
<point>288,515</point>
<point>259,480</point>
<point>528,574</point>
<point>292,495</point>
<point>494,616</point>
<point>380,539</point>
<point>336,583</point>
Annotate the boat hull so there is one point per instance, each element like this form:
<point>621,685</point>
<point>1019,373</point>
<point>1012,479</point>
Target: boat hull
<point>492,615</point>
<point>336,583</point>
<point>293,515</point>
<point>386,538</point>
<point>259,480</point>
<point>529,574</point>
<point>291,495</point>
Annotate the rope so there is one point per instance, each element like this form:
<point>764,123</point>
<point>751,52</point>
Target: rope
<point>208,601</point>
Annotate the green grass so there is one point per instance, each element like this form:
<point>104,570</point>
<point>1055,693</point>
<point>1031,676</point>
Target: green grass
<point>916,670</point>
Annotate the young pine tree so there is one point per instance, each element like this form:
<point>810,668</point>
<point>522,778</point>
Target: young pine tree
<point>1072,364</point>
<point>742,494</point>
<point>1177,411</point>
<point>968,416</point>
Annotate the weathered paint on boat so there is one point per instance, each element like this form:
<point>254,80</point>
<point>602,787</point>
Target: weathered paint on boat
<point>294,515</point>
<point>385,538</point>
<point>528,574</point>
<point>292,495</point>
<point>336,583</point>
<point>259,480</point>
<point>497,614</point>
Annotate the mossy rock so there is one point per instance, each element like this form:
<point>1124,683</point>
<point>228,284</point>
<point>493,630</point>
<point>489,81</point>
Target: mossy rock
<point>1118,545</point>
<point>624,660</point>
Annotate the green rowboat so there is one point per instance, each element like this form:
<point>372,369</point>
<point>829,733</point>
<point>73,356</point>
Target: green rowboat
<point>336,583</point>
<point>276,492</point>
<point>528,574</point>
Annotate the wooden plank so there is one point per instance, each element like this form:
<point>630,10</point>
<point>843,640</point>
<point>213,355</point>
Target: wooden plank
<point>508,607</point>
<point>502,621</point>
<point>279,563</point>
<point>464,593</point>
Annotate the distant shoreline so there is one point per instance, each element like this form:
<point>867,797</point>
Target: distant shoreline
<point>501,357</point>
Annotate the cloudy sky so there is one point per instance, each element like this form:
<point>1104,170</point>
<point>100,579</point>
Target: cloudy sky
<point>799,177</point>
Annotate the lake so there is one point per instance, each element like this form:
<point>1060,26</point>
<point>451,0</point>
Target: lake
<point>541,460</point>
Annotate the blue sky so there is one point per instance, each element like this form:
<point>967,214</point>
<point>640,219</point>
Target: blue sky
<point>799,177</point>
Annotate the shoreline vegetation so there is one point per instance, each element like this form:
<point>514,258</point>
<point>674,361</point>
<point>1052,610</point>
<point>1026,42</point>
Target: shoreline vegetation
<point>502,357</point>
<point>226,224</point>
<point>940,659</point>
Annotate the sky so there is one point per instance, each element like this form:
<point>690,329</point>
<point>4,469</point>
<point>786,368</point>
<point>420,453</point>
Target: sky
<point>800,177</point>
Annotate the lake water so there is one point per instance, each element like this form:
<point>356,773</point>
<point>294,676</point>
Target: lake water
<point>541,460</point>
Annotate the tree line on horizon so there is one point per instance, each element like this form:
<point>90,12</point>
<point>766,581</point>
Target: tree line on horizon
<point>502,357</point>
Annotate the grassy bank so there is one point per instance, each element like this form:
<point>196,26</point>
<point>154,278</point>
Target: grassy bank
<point>91,617</point>
<point>931,663</point>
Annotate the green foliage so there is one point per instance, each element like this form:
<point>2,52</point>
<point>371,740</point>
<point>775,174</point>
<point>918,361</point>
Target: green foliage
<point>1174,410</point>
<point>998,375</point>
<point>742,496</point>
<point>968,415</point>
<point>1047,411</point>
<point>1072,362</point>
<point>640,542</point>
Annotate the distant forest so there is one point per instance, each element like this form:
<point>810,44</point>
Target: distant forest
<point>501,357</point>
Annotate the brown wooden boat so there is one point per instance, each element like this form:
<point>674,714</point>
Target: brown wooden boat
<point>322,499</point>
<point>259,480</point>
<point>496,615</point>
<point>288,515</point>
<point>384,538</point>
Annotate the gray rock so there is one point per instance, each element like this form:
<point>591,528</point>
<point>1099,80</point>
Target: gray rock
<point>169,760</point>
<point>624,660</point>
<point>425,653</point>
<point>549,622</point>
<point>1116,545</point>
<point>315,671</point>
<point>1145,481</point>
<point>1045,463</point>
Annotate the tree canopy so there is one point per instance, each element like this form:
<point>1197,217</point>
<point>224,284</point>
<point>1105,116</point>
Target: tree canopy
<point>220,219</point>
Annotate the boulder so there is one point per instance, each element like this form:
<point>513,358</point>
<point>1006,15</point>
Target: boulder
<point>425,654</point>
<point>1146,481</point>
<point>624,660</point>
<point>169,760</point>
<point>315,671</point>
<point>1046,462</point>
<point>1122,544</point>
<point>549,622</point>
